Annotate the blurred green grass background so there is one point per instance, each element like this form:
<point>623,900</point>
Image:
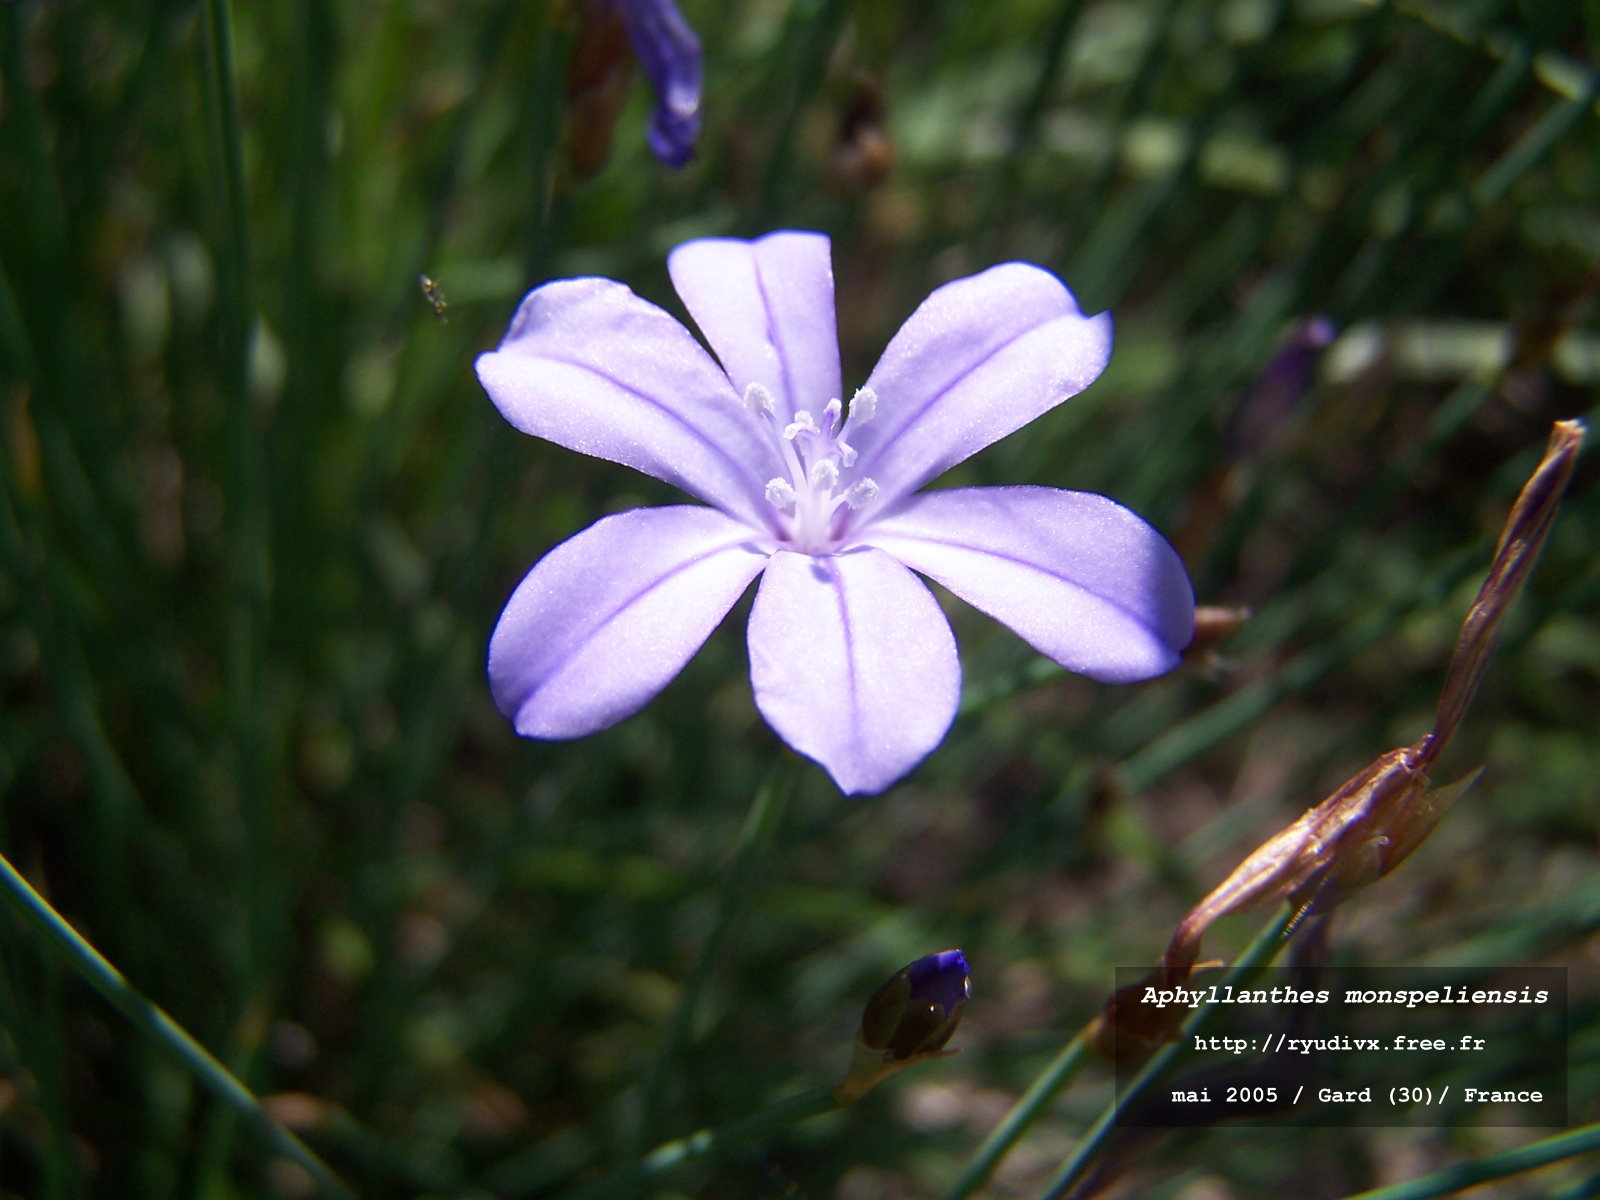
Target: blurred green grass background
<point>258,520</point>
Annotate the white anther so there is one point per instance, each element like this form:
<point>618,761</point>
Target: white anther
<point>863,405</point>
<point>832,411</point>
<point>803,422</point>
<point>861,493</point>
<point>824,473</point>
<point>847,454</point>
<point>757,399</point>
<point>780,493</point>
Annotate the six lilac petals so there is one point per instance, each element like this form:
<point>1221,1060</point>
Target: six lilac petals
<point>852,660</point>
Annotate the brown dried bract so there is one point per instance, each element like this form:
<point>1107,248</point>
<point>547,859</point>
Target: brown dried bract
<point>1372,822</point>
<point>598,74</point>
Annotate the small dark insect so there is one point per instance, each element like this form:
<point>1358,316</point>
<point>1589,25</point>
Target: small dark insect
<point>434,294</point>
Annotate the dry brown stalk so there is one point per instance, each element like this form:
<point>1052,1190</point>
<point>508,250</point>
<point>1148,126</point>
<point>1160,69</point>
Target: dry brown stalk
<point>1375,819</point>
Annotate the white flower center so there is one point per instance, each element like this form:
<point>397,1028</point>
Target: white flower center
<point>817,461</point>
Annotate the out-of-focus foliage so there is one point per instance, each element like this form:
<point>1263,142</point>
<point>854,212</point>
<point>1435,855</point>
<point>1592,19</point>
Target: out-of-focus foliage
<point>256,519</point>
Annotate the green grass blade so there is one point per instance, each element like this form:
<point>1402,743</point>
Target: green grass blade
<point>1583,1140</point>
<point>1045,1087</point>
<point>1258,953</point>
<point>149,1019</point>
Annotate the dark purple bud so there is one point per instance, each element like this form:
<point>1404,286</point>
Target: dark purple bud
<point>669,51</point>
<point>918,1009</point>
<point>1276,392</point>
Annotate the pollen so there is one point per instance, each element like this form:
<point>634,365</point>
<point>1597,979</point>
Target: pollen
<point>758,399</point>
<point>863,405</point>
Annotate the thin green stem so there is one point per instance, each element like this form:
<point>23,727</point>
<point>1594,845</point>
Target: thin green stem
<point>93,968</point>
<point>766,814</point>
<point>227,149</point>
<point>813,30</point>
<point>1583,1189</point>
<point>1583,1140</point>
<point>245,498</point>
<point>1259,953</point>
<point>116,802</point>
<point>1023,1113</point>
<point>29,1012</point>
<point>544,116</point>
<point>1565,76</point>
<point>245,508</point>
<point>1188,738</point>
<point>1538,141</point>
<point>706,1143</point>
<point>1007,189</point>
<point>45,343</point>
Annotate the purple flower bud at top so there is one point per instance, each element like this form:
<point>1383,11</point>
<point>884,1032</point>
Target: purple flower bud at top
<point>1280,386</point>
<point>918,1009</point>
<point>670,53</point>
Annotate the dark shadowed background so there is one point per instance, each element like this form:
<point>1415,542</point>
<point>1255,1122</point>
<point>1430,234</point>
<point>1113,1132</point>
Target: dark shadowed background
<point>257,520</point>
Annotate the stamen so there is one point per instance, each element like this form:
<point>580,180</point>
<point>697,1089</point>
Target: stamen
<point>803,422</point>
<point>758,399</point>
<point>780,493</point>
<point>812,487</point>
<point>861,493</point>
<point>863,405</point>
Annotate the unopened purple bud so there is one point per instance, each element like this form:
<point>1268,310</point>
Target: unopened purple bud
<point>670,54</point>
<point>918,1009</point>
<point>1282,382</point>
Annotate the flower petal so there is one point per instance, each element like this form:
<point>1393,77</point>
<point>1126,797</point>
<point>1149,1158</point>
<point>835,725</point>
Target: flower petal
<point>607,619</point>
<point>592,367</point>
<point>766,307</point>
<point>853,664</point>
<point>1082,579</point>
<point>670,53</point>
<point>979,359</point>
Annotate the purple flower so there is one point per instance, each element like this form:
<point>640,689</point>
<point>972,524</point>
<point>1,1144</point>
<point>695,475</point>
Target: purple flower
<point>918,1009</point>
<point>852,660</point>
<point>1278,390</point>
<point>670,54</point>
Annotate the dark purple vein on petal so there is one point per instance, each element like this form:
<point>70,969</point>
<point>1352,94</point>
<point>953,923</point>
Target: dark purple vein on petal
<point>1142,621</point>
<point>887,439</point>
<point>850,661</point>
<point>773,337</point>
<point>741,469</point>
